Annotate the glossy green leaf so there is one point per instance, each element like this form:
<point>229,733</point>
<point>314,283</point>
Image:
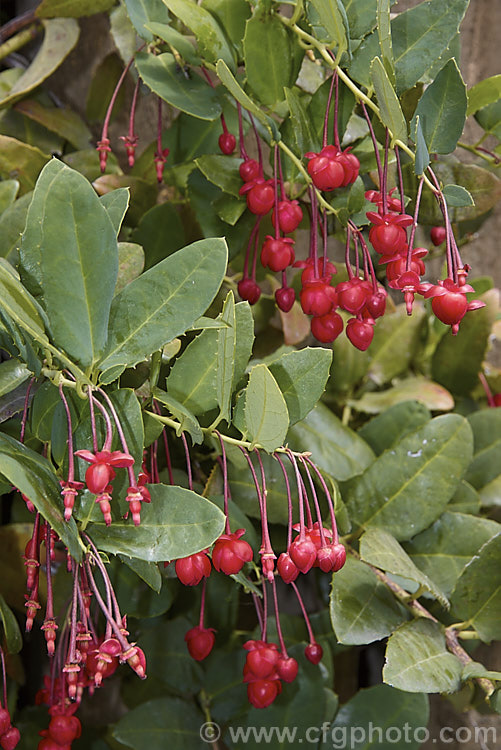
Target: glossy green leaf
<point>130,264</point>
<point>232,16</point>
<point>168,659</point>
<point>443,550</point>
<point>221,171</point>
<point>174,38</point>
<point>42,410</point>
<point>147,571</point>
<point>18,304</point>
<point>229,81</point>
<point>226,343</point>
<point>328,23</point>
<point>490,494</point>
<point>301,376</point>
<point>71,8</point>
<point>465,500</point>
<point>409,485</point>
<point>187,421</point>
<point>177,523</point>
<point>362,608</point>
<point>21,162</point>
<point>12,223</point>
<point>128,407</point>
<point>384,430</point>
<point>486,463</point>
<point>66,123</point>
<point>457,196</point>
<point>381,549</point>
<point>122,32</point>
<point>141,12</point>
<point>211,40</point>
<point>192,379</point>
<point>474,669</point>
<point>190,94</point>
<point>422,155</point>
<point>336,449</point>
<point>396,340</point>
<point>11,631</point>
<point>304,136</point>
<point>163,302</point>
<point>266,415</point>
<point>385,41</point>
<point>379,712</point>
<point>69,259</point>
<point>61,35</point>
<point>430,394</point>
<point>361,16</point>
<point>417,660</point>
<point>442,110</point>
<point>12,374</point>
<point>457,360</point>
<point>477,595</point>
<point>268,59</point>
<point>159,723</point>
<point>34,477</point>
<point>483,93</point>
<point>160,232</point>
<point>116,202</point>
<point>391,111</point>
<point>8,192</point>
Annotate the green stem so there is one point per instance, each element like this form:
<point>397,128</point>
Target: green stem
<point>18,41</point>
<point>474,150</point>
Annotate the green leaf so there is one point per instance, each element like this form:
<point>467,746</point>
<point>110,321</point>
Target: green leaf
<point>177,523</point>
<point>362,607</point>
<point>391,111</point>
<point>181,44</point>
<point>130,264</point>
<point>268,57</point>
<point>159,723</point>
<point>12,374</point>
<point>19,305</point>
<point>160,232</point>
<point>141,12</point>
<point>116,202</point>
<point>21,162</point>
<point>396,339</point>
<point>475,669</point>
<point>361,16</point>
<point>379,712</point>
<point>71,8</point>
<point>465,500</point>
<point>420,36</point>
<point>457,196</point>
<point>191,94</point>
<point>187,421</point>
<point>486,463</point>
<point>211,40</point>
<point>428,393</point>
<point>408,486</point>
<point>64,122</point>
<point>8,191</point>
<point>301,376</point>
<point>385,41</point>
<point>317,107</point>
<point>483,93</point>
<point>221,171</point>
<point>328,23</point>
<point>69,259</point>
<point>34,477</point>
<point>490,494</point>
<point>442,110</point>
<point>232,16</point>
<point>266,415</point>
<point>336,449</point>
<point>122,32</point>
<point>226,344</point>
<point>417,660</point>
<point>168,659</point>
<point>12,633</point>
<point>443,550</point>
<point>477,595</point>
<point>381,549</point>
<point>192,379</point>
<point>422,156</point>
<point>393,424</point>
<point>229,81</point>
<point>60,37</point>
<point>163,302</point>
<point>457,360</point>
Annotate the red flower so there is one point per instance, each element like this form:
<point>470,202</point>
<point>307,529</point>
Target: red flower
<point>190,570</point>
<point>200,642</point>
<point>230,553</point>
